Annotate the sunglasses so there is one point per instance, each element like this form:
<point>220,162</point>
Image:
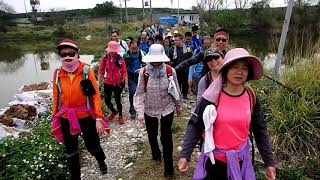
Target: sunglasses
<point>221,39</point>
<point>211,58</point>
<point>69,54</point>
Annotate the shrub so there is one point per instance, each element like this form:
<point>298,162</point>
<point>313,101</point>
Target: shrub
<point>36,156</point>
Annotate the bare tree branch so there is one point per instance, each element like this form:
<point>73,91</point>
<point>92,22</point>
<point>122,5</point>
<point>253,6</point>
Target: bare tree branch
<point>6,7</point>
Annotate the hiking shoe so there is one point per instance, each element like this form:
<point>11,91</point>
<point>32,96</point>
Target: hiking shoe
<point>169,174</point>
<point>103,167</point>
<point>112,115</point>
<point>133,116</point>
<point>121,120</point>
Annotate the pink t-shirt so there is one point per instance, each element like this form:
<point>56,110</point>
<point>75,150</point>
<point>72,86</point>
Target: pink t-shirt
<point>231,128</point>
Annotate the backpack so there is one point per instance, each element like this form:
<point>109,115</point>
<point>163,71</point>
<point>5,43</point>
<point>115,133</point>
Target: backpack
<point>146,75</point>
<point>85,71</point>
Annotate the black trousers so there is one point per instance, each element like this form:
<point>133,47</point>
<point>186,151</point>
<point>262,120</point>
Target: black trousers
<point>183,82</point>
<point>116,90</point>
<point>166,139</point>
<point>71,142</point>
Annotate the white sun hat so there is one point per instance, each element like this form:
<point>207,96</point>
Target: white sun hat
<point>156,54</point>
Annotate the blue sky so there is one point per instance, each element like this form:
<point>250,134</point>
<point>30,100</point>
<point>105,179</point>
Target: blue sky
<point>45,5</point>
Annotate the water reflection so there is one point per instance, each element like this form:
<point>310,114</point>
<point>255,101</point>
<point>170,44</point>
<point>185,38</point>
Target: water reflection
<point>27,68</point>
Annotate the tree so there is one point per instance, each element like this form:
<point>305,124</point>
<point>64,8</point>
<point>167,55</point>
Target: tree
<point>241,4</point>
<point>209,5</point>
<point>6,7</point>
<point>105,8</point>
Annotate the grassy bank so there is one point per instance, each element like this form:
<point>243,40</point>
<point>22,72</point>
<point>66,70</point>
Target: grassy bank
<point>33,156</point>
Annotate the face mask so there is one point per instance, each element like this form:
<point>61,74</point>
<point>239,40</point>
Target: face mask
<point>72,65</point>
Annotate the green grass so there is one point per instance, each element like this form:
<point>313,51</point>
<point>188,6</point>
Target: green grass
<point>35,156</point>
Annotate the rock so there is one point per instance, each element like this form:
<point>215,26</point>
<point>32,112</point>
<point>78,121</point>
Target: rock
<point>36,87</point>
<point>129,165</point>
<point>7,121</point>
<point>20,111</point>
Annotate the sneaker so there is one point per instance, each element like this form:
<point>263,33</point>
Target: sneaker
<point>121,120</point>
<point>169,174</point>
<point>103,167</point>
<point>132,116</point>
<point>112,115</point>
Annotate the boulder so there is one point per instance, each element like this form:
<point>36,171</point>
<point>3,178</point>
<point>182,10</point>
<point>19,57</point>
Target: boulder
<point>36,87</point>
<point>7,121</point>
<point>22,111</point>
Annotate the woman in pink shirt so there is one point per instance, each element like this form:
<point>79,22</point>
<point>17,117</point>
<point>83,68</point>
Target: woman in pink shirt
<point>113,70</point>
<point>228,111</point>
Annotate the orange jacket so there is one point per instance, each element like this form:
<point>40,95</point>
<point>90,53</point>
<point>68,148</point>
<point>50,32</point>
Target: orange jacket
<point>72,95</point>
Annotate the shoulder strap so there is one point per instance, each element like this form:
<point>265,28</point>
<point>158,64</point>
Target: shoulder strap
<point>252,97</point>
<point>122,45</point>
<point>85,71</point>
<point>59,87</point>
<point>146,78</point>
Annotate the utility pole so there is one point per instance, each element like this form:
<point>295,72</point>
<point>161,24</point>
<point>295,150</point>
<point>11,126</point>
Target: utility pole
<point>178,7</point>
<point>121,12</point>
<point>150,11</point>
<point>125,4</point>
<point>142,9</point>
<point>282,42</point>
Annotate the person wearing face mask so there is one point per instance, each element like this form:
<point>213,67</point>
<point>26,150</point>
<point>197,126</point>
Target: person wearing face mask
<point>156,97</point>
<point>133,59</point>
<point>77,108</point>
<point>195,71</point>
<point>115,77</point>
<point>220,34</point>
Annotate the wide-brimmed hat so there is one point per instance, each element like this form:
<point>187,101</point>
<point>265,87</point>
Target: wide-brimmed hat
<point>240,53</point>
<point>67,43</point>
<point>113,46</point>
<point>156,54</point>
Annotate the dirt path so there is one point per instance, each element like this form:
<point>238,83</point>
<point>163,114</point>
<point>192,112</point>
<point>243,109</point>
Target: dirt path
<point>128,146</point>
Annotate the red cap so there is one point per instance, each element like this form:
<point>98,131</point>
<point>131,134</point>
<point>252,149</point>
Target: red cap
<point>68,43</point>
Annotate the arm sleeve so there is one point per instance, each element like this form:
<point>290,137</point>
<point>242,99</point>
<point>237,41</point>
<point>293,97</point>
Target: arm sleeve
<point>189,62</point>
<point>191,70</point>
<point>139,96</point>
<point>201,88</point>
<point>194,130</point>
<point>101,66</point>
<point>55,94</point>
<point>124,69</point>
<point>178,104</point>
<point>96,99</point>
<point>261,135</point>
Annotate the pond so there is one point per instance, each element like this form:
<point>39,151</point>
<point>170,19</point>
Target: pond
<point>19,67</point>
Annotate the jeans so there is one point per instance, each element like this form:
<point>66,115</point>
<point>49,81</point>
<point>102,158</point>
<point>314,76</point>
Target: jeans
<point>108,90</point>
<point>132,85</point>
<point>166,139</point>
<point>71,142</point>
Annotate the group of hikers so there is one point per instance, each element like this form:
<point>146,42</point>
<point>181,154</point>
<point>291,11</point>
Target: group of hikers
<point>157,69</point>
